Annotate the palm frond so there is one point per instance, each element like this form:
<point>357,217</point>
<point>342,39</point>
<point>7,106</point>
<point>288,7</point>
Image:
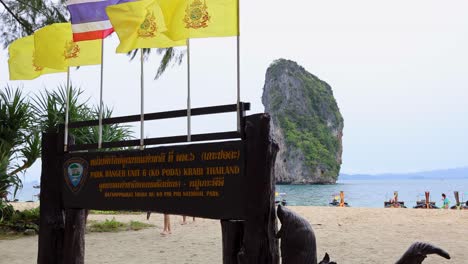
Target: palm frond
<point>171,57</point>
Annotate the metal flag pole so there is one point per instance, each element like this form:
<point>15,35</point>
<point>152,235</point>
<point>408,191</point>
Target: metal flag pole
<point>101,104</point>
<point>142,103</point>
<point>189,110</point>
<point>67,106</point>
<point>238,69</point>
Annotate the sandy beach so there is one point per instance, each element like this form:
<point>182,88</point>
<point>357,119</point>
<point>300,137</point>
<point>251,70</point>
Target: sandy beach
<point>349,235</point>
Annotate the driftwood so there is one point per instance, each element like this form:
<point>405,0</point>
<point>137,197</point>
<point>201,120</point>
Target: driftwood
<point>298,245</point>
<point>326,260</point>
<point>418,251</point>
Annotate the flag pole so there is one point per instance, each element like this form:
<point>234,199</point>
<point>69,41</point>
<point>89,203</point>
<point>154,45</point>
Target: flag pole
<point>238,69</point>
<point>100,96</point>
<point>67,106</point>
<point>189,110</point>
<point>142,102</point>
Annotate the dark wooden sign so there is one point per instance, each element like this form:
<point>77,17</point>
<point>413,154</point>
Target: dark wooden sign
<point>204,180</point>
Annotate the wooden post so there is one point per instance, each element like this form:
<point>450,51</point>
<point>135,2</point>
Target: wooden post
<point>75,228</point>
<point>74,246</point>
<point>51,231</point>
<point>258,243</point>
<point>233,232</point>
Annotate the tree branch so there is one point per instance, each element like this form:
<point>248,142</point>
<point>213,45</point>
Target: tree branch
<point>25,165</point>
<point>26,27</point>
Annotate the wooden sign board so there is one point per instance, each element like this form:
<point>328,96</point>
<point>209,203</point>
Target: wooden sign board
<point>203,180</point>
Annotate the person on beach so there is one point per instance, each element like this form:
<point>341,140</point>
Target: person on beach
<point>184,222</point>
<point>167,226</point>
<point>446,201</point>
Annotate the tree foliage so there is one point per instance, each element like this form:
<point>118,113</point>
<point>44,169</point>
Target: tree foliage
<point>50,107</point>
<point>22,17</point>
<point>19,139</point>
<point>22,121</point>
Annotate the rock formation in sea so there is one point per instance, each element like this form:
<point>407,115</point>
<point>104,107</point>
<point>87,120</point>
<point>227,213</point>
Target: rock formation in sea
<point>306,123</point>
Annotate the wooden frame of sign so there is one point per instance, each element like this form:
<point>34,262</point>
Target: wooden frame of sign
<point>196,179</point>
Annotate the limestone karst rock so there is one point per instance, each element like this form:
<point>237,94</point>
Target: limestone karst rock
<point>306,123</point>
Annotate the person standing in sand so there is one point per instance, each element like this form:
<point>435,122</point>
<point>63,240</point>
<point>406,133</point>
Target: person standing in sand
<point>167,226</point>
<point>446,201</point>
<point>184,222</point>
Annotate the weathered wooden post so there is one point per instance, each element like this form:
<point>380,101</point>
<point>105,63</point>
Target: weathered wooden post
<point>51,229</point>
<point>233,233</point>
<point>75,228</point>
<point>259,245</point>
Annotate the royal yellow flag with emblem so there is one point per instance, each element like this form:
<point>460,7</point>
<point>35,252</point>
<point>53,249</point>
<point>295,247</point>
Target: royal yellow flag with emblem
<point>55,48</point>
<point>200,18</point>
<point>21,62</point>
<point>140,24</point>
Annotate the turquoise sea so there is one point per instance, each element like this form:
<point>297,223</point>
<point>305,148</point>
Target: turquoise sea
<point>373,193</point>
<point>358,193</point>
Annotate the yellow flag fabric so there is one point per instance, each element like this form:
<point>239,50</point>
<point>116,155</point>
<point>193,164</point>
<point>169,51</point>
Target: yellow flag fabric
<point>55,48</point>
<point>21,62</point>
<point>140,25</point>
<point>200,18</point>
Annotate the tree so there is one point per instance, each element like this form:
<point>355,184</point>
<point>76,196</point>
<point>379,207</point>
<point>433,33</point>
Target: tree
<point>22,17</point>
<point>22,121</point>
<point>19,139</point>
<point>51,109</point>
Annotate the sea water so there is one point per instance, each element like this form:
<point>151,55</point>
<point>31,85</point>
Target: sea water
<point>358,193</point>
<point>373,193</point>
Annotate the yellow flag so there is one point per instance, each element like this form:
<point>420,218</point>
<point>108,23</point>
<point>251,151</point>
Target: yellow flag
<point>55,48</point>
<point>21,62</point>
<point>200,18</point>
<point>140,24</point>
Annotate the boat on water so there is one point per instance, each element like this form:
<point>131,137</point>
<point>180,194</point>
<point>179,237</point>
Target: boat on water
<point>422,204</point>
<point>338,201</point>
<point>280,198</point>
<point>425,203</point>
<point>394,202</point>
<point>459,205</point>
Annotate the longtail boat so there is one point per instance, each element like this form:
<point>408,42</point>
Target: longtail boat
<point>394,203</point>
<point>426,204</point>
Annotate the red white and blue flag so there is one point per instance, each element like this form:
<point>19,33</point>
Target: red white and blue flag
<point>89,18</point>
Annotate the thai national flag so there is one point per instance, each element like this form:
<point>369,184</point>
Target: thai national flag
<point>89,19</point>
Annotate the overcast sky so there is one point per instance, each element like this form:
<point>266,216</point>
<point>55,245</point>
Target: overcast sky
<point>398,69</point>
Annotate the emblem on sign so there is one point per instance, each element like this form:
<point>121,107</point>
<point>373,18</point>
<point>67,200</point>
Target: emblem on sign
<point>76,173</point>
<point>196,15</point>
<point>72,50</point>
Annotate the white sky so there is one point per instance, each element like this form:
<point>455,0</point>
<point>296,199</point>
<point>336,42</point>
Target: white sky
<point>398,69</point>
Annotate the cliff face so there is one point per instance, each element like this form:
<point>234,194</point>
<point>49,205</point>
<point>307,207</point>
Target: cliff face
<point>306,123</point>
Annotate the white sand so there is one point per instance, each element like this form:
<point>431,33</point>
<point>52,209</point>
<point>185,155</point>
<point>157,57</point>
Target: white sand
<point>349,235</point>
